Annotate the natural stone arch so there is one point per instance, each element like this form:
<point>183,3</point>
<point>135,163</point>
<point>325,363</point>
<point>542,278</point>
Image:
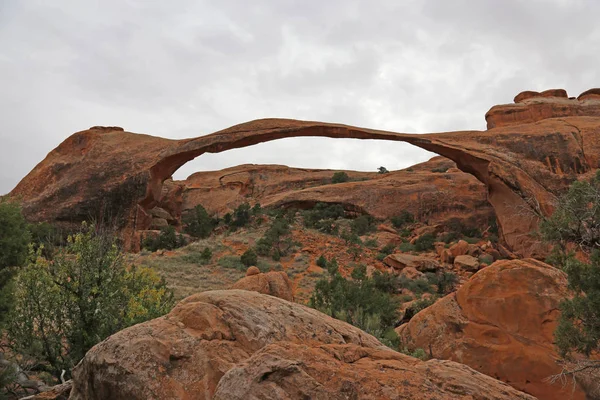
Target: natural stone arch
<point>523,166</point>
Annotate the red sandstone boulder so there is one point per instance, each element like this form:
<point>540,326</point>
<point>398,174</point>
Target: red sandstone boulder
<point>237,344</point>
<point>274,283</point>
<point>466,262</point>
<point>501,323</point>
<point>399,261</point>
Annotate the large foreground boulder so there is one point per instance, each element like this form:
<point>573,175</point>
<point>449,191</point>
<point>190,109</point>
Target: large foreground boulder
<point>238,344</point>
<point>501,323</point>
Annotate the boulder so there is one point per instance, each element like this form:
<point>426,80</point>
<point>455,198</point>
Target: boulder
<point>399,261</point>
<point>501,323</point>
<point>252,271</point>
<point>458,249</point>
<point>468,263</point>
<point>411,273</point>
<point>158,223</point>
<point>274,283</point>
<point>158,212</point>
<point>239,344</point>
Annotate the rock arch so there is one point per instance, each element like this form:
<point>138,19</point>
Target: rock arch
<point>525,159</point>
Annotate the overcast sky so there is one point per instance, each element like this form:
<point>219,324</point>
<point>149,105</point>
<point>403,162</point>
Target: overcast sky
<point>185,68</point>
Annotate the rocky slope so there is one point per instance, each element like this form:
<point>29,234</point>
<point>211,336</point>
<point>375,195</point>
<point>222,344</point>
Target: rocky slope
<point>501,323</point>
<point>532,152</point>
<point>435,191</point>
<point>245,345</point>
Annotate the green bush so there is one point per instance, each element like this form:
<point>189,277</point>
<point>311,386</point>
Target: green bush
<point>445,281</point>
<point>232,262</point>
<point>402,219</point>
<point>382,170</point>
<point>358,302</point>
<point>65,306</point>
<point>371,243</point>
<point>14,241</point>
<point>168,239</point>
<point>388,249</point>
<point>249,258</point>
<point>340,177</point>
<point>576,223</point>
<point>200,258</point>
<point>277,240</point>
<point>323,217</point>
<point>425,242</point>
<point>198,223</point>
<point>241,216</point>
<point>14,235</point>
<point>322,262</point>
<point>362,225</point>
<point>406,247</point>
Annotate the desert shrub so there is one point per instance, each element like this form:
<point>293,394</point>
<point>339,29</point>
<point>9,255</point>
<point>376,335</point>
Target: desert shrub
<point>249,258</point>
<point>358,302</point>
<point>340,177</point>
<point>371,243</point>
<point>200,258</point>
<point>257,210</point>
<point>14,240</point>
<point>241,216</point>
<point>416,307</point>
<point>445,281</point>
<point>387,249</point>
<point>439,169</point>
<point>450,237</point>
<point>277,240</point>
<point>575,224</point>
<point>406,247</point>
<point>14,235</point>
<point>456,225</point>
<point>197,222</point>
<point>323,217</point>
<point>382,170</point>
<point>404,218</point>
<point>322,262</point>
<point>330,265</point>
<point>87,292</point>
<point>425,242</point>
<point>232,262</point>
<point>167,239</point>
<point>362,225</point>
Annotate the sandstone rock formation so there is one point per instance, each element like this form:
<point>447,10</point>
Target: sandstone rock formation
<point>501,323</point>
<point>533,150</point>
<point>243,345</point>
<point>429,195</point>
<point>274,283</point>
<point>399,261</point>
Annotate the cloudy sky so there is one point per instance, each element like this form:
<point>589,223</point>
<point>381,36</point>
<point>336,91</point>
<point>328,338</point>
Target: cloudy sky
<point>186,68</point>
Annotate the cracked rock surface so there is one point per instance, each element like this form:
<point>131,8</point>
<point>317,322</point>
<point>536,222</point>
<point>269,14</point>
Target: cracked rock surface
<point>237,344</point>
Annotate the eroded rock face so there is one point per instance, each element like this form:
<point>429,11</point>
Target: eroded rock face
<point>239,344</point>
<point>274,283</point>
<point>532,106</point>
<point>501,323</point>
<point>524,166</point>
<point>435,191</point>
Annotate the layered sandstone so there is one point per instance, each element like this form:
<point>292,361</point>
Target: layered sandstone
<point>501,323</point>
<point>244,345</point>
<point>434,191</point>
<point>109,173</point>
